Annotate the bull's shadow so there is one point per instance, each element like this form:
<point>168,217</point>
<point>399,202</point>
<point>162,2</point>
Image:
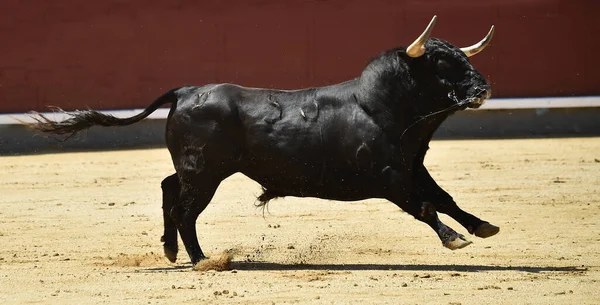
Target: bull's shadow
<point>268,266</point>
<point>259,266</point>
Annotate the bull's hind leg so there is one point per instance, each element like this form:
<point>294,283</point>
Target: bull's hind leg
<point>196,193</point>
<point>473,224</point>
<point>430,191</point>
<point>401,195</point>
<point>426,213</point>
<point>170,191</point>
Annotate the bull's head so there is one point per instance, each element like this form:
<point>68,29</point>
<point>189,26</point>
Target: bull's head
<point>447,67</point>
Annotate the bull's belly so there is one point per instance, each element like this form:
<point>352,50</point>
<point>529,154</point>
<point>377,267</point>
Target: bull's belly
<point>318,181</point>
<point>303,161</point>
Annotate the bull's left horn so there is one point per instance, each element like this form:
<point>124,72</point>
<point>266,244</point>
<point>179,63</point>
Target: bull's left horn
<point>478,47</point>
<point>417,48</point>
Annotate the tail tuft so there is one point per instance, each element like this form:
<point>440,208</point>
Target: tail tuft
<point>78,120</point>
<point>83,119</point>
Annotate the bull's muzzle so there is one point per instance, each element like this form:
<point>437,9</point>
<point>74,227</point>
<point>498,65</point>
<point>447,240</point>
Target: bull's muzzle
<point>481,95</point>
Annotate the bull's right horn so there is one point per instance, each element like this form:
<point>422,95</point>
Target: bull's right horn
<point>478,47</point>
<point>417,48</point>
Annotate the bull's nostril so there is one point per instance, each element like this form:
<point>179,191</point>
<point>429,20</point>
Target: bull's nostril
<point>483,93</point>
<point>480,92</point>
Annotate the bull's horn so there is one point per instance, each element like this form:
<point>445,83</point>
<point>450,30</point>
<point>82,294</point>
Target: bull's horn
<point>478,47</point>
<point>417,48</point>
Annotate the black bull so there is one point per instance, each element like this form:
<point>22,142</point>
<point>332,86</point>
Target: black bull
<point>364,138</point>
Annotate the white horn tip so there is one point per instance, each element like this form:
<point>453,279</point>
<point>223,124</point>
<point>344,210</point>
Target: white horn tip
<point>433,20</point>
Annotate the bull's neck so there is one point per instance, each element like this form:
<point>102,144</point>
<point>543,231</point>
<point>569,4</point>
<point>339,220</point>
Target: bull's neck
<point>404,116</point>
<point>390,106</point>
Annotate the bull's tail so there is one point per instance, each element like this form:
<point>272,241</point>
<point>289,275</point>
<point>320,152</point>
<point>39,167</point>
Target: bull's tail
<point>82,119</point>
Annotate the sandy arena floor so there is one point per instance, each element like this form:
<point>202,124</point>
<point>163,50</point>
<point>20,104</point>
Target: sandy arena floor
<point>85,228</point>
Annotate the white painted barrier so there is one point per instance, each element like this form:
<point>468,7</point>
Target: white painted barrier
<point>491,104</point>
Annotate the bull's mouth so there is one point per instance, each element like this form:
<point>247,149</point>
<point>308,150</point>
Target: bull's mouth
<point>474,100</point>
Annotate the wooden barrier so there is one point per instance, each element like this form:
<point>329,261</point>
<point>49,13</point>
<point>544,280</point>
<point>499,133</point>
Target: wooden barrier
<point>123,54</point>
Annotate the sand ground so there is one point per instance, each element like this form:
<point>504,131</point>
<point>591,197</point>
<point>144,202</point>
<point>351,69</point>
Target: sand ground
<point>85,228</point>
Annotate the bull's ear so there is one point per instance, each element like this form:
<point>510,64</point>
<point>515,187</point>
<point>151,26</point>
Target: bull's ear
<point>478,47</point>
<point>417,48</point>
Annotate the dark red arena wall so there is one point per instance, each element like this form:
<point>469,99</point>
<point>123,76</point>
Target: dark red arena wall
<point>123,54</point>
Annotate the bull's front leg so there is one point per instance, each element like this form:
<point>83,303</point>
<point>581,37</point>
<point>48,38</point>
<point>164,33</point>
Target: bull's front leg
<point>430,191</point>
<point>400,190</point>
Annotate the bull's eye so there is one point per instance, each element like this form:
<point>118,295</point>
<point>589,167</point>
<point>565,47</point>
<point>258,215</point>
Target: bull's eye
<point>443,65</point>
<point>447,71</point>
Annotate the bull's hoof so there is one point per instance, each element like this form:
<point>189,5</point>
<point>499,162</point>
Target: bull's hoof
<point>486,230</point>
<point>199,259</point>
<point>171,254</point>
<point>458,243</point>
